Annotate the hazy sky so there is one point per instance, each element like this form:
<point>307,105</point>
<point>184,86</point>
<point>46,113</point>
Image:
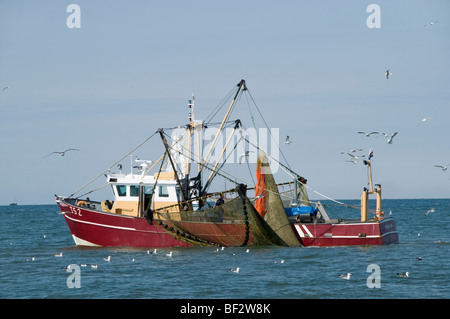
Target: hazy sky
<point>315,69</point>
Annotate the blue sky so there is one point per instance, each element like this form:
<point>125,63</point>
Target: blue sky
<point>314,68</point>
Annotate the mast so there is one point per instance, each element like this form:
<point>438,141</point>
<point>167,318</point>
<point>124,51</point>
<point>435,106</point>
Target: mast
<point>236,126</point>
<point>160,131</point>
<point>365,197</point>
<point>241,86</point>
<point>190,128</point>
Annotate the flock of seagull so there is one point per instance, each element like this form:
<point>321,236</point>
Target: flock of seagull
<point>95,266</point>
<point>399,274</point>
<point>355,157</point>
<point>169,254</point>
<point>390,137</point>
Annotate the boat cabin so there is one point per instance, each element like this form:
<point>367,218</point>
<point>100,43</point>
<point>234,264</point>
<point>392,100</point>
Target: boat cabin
<point>133,193</point>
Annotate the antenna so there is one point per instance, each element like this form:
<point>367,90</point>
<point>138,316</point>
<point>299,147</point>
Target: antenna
<point>191,109</point>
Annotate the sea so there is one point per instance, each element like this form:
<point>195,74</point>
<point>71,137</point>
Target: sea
<point>31,236</point>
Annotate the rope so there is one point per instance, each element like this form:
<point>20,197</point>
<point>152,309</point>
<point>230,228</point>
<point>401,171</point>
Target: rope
<point>219,106</point>
<point>247,226</point>
<point>267,126</point>
<point>112,165</point>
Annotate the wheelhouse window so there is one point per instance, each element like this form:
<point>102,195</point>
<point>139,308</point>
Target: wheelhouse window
<point>163,191</point>
<point>134,190</point>
<point>121,190</point>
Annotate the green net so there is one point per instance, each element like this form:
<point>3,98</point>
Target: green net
<point>234,223</point>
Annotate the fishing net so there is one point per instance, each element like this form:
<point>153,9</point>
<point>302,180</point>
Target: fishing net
<point>234,223</point>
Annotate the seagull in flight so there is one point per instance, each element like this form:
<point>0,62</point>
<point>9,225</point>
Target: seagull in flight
<point>5,88</point>
<point>287,141</point>
<point>387,74</point>
<point>353,150</point>
<point>367,134</point>
<point>425,119</point>
<point>247,154</point>
<point>355,156</point>
<point>431,23</point>
<point>444,168</point>
<point>62,153</point>
<point>432,210</point>
<point>390,137</point>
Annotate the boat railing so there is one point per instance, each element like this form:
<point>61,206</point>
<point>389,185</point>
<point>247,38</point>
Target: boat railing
<point>90,204</point>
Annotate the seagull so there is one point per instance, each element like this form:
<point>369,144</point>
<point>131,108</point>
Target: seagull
<point>247,251</point>
<point>108,259</point>
<point>353,161</point>
<point>353,150</point>
<point>367,134</point>
<point>169,254</point>
<point>387,74</point>
<point>58,255</point>
<point>390,137</point>
<point>279,262</point>
<point>31,259</point>
<point>287,141</point>
<point>94,266</point>
<point>347,276</point>
<point>355,156</point>
<point>419,258</point>
<point>5,88</point>
<point>403,275</point>
<point>425,119</point>
<point>44,236</point>
<point>236,270</point>
<point>153,252</point>
<point>432,210</point>
<point>431,23</point>
<point>247,154</point>
<point>83,265</point>
<point>62,153</point>
<point>444,168</point>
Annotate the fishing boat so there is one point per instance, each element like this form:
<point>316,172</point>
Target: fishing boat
<point>314,227</point>
<point>173,206</point>
<point>169,202</point>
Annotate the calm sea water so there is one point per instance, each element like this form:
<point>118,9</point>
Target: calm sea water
<point>203,273</point>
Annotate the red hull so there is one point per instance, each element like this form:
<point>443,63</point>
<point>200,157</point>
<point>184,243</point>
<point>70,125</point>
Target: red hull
<point>94,228</point>
<point>344,234</point>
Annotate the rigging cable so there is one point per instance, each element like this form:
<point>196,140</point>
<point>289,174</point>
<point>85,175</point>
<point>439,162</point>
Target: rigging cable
<point>267,126</point>
<point>113,164</point>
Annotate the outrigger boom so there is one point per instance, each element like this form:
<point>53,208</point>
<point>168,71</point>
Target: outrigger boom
<point>365,197</point>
